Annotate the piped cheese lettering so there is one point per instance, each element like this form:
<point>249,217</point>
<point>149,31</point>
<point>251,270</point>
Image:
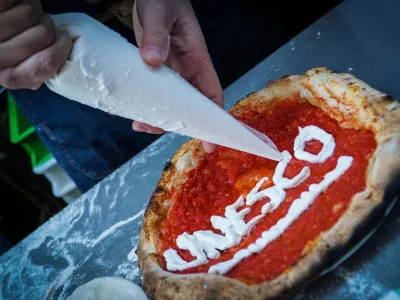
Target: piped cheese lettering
<point>296,209</point>
<point>309,133</point>
<point>205,244</point>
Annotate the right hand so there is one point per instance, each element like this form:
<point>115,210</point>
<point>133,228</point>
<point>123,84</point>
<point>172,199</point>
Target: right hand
<point>32,50</point>
<point>168,32</point>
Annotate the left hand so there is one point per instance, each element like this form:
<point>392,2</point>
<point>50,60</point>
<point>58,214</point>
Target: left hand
<point>167,32</point>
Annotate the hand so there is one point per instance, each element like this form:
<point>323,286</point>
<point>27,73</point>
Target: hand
<point>31,49</point>
<point>167,31</point>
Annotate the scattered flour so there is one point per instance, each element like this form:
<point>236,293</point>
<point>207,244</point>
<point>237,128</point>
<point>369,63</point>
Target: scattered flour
<point>107,190</point>
<point>124,172</point>
<point>360,284</point>
<point>93,194</point>
<point>113,228</point>
<point>125,193</point>
<point>132,255</point>
<point>145,174</point>
<point>128,270</point>
<point>113,202</point>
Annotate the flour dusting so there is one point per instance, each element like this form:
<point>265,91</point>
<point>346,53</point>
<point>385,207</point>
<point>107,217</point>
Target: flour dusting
<point>126,192</point>
<point>145,174</point>
<point>360,284</point>
<point>113,228</point>
<point>107,190</point>
<point>132,255</point>
<point>92,196</point>
<point>128,270</point>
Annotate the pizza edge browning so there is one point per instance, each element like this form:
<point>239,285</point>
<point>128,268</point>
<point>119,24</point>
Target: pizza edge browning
<point>358,106</point>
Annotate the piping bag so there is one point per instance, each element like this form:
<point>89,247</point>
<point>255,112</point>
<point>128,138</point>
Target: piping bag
<point>106,72</point>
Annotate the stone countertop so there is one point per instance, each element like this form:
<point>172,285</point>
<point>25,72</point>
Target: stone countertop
<point>97,235</point>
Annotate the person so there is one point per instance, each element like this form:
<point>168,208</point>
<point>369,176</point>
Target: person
<point>88,143</point>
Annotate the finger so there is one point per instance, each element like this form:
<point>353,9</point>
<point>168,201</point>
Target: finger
<point>137,28</point>
<point>203,75</point>
<point>6,4</point>
<point>29,42</point>
<point>156,18</point>
<point>40,67</point>
<point>208,83</point>
<point>193,54</point>
<point>206,80</point>
<point>141,127</point>
<point>208,147</point>
<point>17,19</point>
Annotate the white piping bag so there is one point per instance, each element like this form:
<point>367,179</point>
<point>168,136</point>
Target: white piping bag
<point>106,72</point>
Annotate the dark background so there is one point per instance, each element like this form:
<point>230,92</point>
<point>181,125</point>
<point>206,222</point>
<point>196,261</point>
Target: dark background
<point>239,35</point>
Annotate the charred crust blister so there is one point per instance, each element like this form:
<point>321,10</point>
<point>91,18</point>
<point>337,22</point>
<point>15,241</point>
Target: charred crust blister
<point>150,204</point>
<point>390,98</point>
<point>167,166</point>
<point>158,190</point>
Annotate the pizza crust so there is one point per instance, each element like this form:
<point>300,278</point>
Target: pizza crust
<point>347,99</point>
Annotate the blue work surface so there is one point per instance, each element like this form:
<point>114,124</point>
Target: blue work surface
<point>97,235</point>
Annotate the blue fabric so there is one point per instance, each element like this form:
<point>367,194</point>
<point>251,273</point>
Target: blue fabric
<point>88,143</point>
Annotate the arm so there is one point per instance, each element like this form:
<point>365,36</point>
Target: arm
<point>167,31</point>
<point>31,49</point>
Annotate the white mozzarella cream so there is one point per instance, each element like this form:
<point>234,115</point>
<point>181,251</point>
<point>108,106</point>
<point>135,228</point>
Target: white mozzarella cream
<point>296,209</point>
<point>205,245</point>
<point>309,133</point>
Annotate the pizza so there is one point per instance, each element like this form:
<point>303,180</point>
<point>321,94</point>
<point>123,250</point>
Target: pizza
<point>231,225</point>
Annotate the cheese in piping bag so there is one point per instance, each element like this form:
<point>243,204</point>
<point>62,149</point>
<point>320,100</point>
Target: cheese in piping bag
<point>106,72</point>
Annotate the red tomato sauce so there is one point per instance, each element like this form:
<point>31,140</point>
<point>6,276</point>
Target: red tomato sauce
<point>221,177</point>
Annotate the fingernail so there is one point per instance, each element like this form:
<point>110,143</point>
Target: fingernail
<point>153,52</point>
<point>209,147</point>
<point>143,128</point>
<point>147,129</point>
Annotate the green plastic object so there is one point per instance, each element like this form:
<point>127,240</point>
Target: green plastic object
<point>23,133</point>
<point>37,151</point>
<point>20,128</point>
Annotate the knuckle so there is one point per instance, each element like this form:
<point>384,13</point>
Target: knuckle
<point>50,62</point>
<point>159,35</point>
<point>9,80</point>
<point>35,86</point>
<point>45,34</point>
<point>28,13</point>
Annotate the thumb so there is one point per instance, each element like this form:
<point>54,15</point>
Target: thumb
<point>156,18</point>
